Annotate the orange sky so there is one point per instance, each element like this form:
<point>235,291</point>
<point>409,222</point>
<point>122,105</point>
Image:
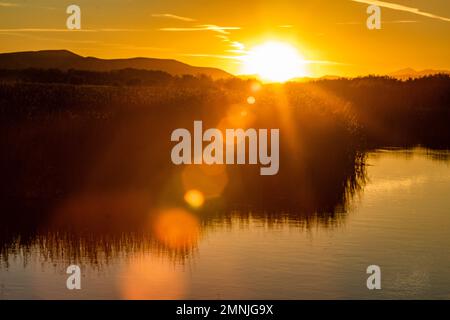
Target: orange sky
<point>330,35</point>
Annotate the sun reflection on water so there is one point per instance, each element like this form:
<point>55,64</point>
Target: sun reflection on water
<point>176,229</point>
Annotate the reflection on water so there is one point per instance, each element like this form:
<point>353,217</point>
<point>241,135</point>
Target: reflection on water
<point>394,213</point>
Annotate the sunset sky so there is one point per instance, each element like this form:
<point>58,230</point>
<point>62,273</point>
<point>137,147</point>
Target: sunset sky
<point>330,36</point>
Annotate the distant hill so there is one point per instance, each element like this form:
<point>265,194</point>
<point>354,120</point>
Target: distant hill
<point>413,74</point>
<point>403,74</point>
<point>65,60</point>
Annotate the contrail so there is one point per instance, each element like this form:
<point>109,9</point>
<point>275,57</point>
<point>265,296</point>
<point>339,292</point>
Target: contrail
<point>403,8</point>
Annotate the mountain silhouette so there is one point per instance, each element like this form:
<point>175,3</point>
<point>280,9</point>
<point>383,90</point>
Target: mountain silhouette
<point>65,60</point>
<point>413,74</point>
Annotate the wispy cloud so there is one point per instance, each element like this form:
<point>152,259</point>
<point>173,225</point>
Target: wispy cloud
<point>221,33</point>
<point>400,21</point>
<point>87,42</point>
<point>172,16</point>
<point>40,30</point>
<point>20,5</point>
<point>237,45</point>
<point>205,27</point>
<point>223,37</point>
<point>34,37</point>
<point>9,4</point>
<point>390,22</point>
<point>403,8</point>
<point>67,30</point>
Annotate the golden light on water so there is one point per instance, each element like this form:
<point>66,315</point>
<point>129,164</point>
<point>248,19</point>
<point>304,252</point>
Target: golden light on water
<point>177,229</point>
<point>274,61</point>
<point>194,198</point>
<point>149,278</point>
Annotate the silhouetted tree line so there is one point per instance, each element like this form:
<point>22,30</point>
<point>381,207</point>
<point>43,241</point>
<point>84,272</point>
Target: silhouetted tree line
<point>124,77</point>
<point>379,111</point>
<point>391,112</point>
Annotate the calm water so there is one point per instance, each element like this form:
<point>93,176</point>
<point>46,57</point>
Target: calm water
<point>399,220</point>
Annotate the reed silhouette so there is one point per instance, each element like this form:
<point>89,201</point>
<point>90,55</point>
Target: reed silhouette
<point>85,159</point>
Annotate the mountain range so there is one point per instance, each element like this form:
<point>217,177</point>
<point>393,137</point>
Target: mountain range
<point>65,60</point>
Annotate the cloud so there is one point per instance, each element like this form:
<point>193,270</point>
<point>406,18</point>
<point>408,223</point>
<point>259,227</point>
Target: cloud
<point>237,45</point>
<point>403,8</point>
<point>205,27</point>
<point>38,30</point>
<point>17,5</point>
<point>67,30</point>
<point>32,36</point>
<point>172,16</point>
<point>223,37</point>
<point>9,5</point>
<point>400,21</point>
<point>390,22</point>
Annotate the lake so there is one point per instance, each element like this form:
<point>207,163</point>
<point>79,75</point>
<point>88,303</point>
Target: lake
<point>399,219</point>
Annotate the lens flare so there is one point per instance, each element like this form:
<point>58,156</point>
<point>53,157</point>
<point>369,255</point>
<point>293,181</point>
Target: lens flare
<point>251,100</point>
<point>177,229</point>
<point>194,198</point>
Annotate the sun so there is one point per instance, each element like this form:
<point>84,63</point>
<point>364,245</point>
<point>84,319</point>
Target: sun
<point>274,61</point>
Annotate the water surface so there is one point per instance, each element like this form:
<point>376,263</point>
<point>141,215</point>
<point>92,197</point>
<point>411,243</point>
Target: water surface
<point>399,219</point>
